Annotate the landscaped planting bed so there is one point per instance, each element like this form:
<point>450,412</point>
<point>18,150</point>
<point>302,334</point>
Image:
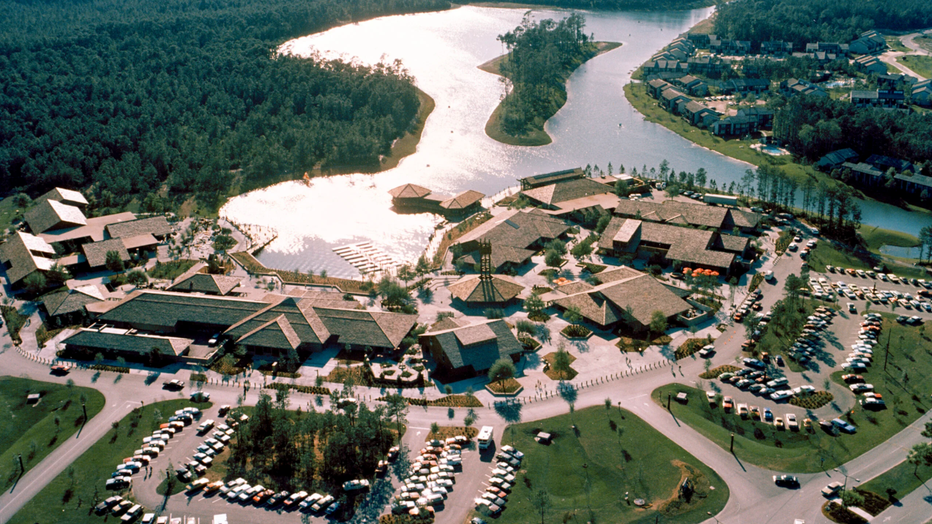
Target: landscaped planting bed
<point>452,431</point>
<point>555,375</point>
<point>576,331</point>
<point>449,401</point>
<point>813,401</point>
<point>529,343</point>
<point>690,346</point>
<point>311,390</point>
<point>506,387</point>
<point>715,372</point>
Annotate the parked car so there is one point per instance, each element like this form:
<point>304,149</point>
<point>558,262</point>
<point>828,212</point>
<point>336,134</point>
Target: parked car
<point>844,426</point>
<point>831,489</point>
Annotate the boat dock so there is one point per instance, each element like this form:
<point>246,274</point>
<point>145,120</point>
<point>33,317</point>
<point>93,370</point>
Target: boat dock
<point>367,258</point>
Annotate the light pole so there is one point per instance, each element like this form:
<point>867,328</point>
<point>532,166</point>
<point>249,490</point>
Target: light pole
<point>709,513</point>
<point>845,487</point>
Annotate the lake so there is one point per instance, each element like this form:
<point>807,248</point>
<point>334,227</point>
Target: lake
<point>442,51</point>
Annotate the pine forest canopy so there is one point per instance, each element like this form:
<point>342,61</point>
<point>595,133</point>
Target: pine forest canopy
<point>812,127</point>
<point>805,21</point>
<point>540,57</point>
<point>126,97</point>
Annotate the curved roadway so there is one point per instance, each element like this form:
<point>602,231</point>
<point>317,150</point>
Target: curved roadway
<point>753,494</point>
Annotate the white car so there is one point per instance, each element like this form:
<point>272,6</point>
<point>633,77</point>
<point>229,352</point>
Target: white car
<point>768,276</point>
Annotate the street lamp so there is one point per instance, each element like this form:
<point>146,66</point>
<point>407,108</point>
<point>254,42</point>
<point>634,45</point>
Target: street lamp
<point>709,513</point>
<point>845,487</point>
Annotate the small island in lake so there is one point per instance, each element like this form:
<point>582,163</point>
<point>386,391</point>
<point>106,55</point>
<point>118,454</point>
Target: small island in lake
<point>541,57</point>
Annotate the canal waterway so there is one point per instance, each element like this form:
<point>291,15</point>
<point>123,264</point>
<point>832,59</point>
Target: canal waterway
<point>442,51</point>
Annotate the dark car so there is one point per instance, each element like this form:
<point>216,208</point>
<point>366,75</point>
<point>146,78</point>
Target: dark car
<point>786,481</point>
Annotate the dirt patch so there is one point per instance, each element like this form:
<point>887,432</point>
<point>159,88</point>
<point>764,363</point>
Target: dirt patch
<point>681,501</point>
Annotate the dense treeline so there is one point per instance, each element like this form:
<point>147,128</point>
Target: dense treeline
<point>127,97</point>
<point>540,58</point>
<point>625,5</point>
<point>312,450</point>
<point>804,21</point>
<point>813,126</point>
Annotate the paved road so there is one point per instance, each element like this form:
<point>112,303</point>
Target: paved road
<point>753,495</point>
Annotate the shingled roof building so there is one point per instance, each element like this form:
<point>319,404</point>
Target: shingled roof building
<point>497,290</point>
<point>467,350</point>
<point>270,326</point>
<point>69,306</point>
<point>515,236</point>
<point>412,197</point>
<point>626,296</point>
<point>688,214</point>
<point>193,281</point>
<point>52,214</point>
<point>683,246</point>
<point>23,254</point>
<point>115,342</point>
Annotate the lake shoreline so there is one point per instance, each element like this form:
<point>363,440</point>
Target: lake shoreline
<point>537,136</point>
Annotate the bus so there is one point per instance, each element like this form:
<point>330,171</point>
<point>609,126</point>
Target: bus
<point>485,436</point>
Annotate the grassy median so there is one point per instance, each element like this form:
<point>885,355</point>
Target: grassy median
<point>592,470</point>
<point>35,430</point>
<point>71,496</point>
<point>905,386</point>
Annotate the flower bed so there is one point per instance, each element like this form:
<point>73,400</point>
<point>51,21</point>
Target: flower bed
<point>453,431</point>
<point>449,401</point>
<point>311,390</point>
<point>554,375</point>
<point>715,372</point>
<point>529,343</point>
<point>576,331</point>
<point>813,401</point>
<point>198,377</point>
<point>104,367</point>
<point>14,321</point>
<point>538,316</point>
<point>507,387</point>
<point>690,346</point>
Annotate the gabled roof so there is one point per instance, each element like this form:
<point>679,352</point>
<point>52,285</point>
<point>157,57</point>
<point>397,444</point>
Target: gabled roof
<point>409,191</point>
<point>512,232</point>
<point>72,300</point>
<point>476,345</point>
<point>673,211</point>
<point>96,252</point>
<point>65,196</point>
<point>301,316</point>
<point>155,226</point>
<point>498,289</point>
<point>367,328</point>
<point>206,283</point>
<point>24,253</point>
<point>566,190</point>
<point>276,333</point>
<point>122,340</point>
<point>462,200</point>
<point>165,309</point>
<point>51,214</point>
<point>638,295</point>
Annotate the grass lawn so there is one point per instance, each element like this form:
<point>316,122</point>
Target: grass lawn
<point>170,270</point>
<point>898,481</point>
<point>611,442</point>
<point>895,44</point>
<point>826,254</point>
<point>877,237</point>
<point>66,501</point>
<point>904,386</point>
<point>636,93</point>
<point>8,213</point>
<point>29,429</point>
<point>920,64</point>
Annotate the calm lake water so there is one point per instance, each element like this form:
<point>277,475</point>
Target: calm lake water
<point>442,52</point>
